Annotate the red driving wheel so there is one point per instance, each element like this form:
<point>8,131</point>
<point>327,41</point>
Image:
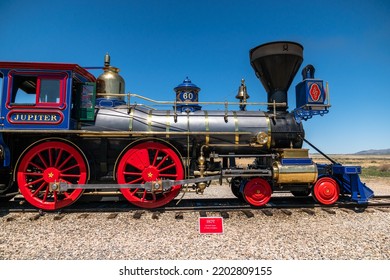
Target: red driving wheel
<point>326,191</point>
<point>49,162</point>
<point>257,192</point>
<point>145,162</point>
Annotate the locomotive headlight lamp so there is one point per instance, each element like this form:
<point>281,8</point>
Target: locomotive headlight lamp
<point>262,138</point>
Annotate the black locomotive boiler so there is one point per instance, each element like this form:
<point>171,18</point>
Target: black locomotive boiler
<point>64,132</point>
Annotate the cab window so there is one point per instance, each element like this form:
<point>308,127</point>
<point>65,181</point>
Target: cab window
<point>37,90</point>
<point>49,91</point>
<point>23,90</point>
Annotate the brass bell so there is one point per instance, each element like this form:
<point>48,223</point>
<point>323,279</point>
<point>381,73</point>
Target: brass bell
<point>242,95</point>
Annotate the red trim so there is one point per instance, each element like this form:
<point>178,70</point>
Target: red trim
<point>62,93</point>
<point>61,76</point>
<point>49,66</point>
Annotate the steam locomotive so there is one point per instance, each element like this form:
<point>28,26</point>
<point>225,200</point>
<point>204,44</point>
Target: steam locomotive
<point>64,132</point>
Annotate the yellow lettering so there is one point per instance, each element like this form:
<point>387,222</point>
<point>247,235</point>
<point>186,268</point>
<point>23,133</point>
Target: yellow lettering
<point>31,117</point>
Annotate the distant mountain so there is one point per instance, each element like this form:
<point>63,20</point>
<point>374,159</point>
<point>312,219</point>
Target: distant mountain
<point>374,152</point>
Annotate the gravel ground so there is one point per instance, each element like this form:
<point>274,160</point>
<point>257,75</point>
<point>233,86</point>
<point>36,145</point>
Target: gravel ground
<point>344,235</point>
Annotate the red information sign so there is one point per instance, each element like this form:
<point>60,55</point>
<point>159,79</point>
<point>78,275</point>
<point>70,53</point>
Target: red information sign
<point>211,225</point>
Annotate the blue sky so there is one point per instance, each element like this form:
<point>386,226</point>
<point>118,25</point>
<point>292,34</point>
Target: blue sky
<point>156,44</point>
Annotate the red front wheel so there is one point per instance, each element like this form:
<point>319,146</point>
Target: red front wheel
<point>257,192</point>
<point>326,191</point>
<point>50,162</point>
<point>145,162</point>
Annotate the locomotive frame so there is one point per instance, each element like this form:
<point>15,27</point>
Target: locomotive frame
<point>79,133</point>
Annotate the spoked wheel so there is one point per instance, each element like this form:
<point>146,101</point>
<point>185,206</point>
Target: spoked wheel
<point>49,162</point>
<point>145,162</point>
<point>257,192</point>
<point>326,191</point>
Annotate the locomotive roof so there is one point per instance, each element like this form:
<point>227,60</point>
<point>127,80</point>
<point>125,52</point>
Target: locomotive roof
<point>48,66</point>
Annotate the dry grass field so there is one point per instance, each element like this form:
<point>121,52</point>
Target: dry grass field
<point>373,165</point>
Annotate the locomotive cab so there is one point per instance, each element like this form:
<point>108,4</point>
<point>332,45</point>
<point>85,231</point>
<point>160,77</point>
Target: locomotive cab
<point>38,100</point>
<point>38,96</point>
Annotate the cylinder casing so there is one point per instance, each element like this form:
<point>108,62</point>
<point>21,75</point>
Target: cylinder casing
<point>248,132</point>
<point>294,174</point>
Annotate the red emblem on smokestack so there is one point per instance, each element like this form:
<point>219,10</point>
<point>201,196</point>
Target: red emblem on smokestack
<point>315,92</point>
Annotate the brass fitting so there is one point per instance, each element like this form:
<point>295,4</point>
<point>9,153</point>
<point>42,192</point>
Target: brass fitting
<point>202,167</point>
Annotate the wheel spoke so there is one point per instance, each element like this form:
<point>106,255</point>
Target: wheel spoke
<point>59,156</point>
<point>43,160</point>
<point>50,157</point>
<point>33,174</point>
<point>162,161</point>
<point>135,181</point>
<point>33,182</point>
<point>35,193</point>
<point>65,162</point>
<point>37,166</point>
<point>69,168</point>
<point>143,196</point>
<point>135,191</point>
<point>155,158</point>
<point>133,173</point>
<point>55,197</point>
<point>167,167</point>
<point>46,193</point>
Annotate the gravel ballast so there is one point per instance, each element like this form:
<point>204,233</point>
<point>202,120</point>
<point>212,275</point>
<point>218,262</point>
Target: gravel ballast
<point>345,235</point>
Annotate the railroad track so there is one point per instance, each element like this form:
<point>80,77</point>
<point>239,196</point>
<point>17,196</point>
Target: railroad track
<point>222,205</point>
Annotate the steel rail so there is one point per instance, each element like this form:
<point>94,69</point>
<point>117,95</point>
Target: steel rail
<point>199,204</point>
